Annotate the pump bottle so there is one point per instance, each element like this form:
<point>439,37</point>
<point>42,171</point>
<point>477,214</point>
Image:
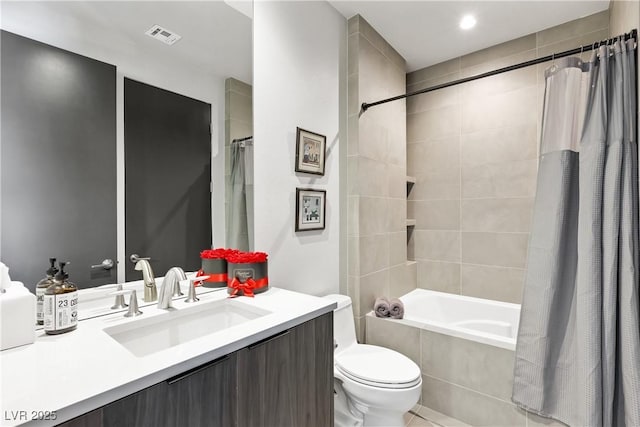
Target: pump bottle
<point>61,304</point>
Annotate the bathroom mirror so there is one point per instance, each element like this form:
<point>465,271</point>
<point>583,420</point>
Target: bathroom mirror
<point>63,197</point>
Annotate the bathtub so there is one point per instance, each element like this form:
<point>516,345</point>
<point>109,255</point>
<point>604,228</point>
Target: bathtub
<point>465,348</point>
<point>480,320</point>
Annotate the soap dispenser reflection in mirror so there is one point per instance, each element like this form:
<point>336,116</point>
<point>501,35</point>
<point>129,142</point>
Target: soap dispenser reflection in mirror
<point>60,304</point>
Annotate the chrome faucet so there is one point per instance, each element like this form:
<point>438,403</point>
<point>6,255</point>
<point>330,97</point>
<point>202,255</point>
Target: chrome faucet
<point>170,282</point>
<point>150,290</point>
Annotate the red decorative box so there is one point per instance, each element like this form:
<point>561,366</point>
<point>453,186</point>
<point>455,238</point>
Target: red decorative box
<point>214,265</point>
<point>247,273</point>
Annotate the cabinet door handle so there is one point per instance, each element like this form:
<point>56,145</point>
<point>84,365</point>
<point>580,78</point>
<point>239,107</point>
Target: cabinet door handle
<point>196,370</point>
<point>271,338</point>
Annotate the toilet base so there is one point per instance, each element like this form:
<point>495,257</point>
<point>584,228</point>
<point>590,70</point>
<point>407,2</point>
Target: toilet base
<point>348,413</point>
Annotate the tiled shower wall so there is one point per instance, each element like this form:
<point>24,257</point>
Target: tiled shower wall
<point>238,123</point>
<point>376,173</point>
<point>473,149</point>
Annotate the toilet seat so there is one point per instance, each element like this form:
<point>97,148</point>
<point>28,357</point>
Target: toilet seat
<point>377,367</point>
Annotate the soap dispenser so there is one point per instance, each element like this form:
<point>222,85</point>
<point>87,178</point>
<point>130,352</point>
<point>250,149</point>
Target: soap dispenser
<point>60,304</point>
<point>41,287</point>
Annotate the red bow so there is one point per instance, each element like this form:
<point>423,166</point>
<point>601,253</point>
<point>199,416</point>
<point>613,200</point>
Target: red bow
<point>246,288</point>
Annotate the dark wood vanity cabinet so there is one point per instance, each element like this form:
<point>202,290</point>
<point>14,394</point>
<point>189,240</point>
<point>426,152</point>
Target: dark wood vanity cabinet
<point>287,380</point>
<point>283,381</point>
<point>203,396</point>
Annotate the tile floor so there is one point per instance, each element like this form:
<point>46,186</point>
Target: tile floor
<point>421,416</point>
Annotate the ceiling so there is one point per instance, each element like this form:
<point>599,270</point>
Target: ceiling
<point>426,32</point>
<point>216,38</point>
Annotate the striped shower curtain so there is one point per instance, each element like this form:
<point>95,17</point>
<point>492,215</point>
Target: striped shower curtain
<point>578,350</point>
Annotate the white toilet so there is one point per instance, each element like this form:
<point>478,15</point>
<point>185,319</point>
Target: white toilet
<point>374,386</point>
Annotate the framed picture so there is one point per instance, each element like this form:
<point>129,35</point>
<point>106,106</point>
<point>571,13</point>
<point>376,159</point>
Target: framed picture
<point>310,208</point>
<point>310,152</point>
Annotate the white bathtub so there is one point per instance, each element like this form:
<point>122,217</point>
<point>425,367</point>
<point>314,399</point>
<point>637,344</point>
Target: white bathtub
<point>484,321</point>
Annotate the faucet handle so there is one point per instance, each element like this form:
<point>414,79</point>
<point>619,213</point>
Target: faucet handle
<point>135,258</point>
<point>133,302</point>
<point>119,302</point>
<point>192,288</point>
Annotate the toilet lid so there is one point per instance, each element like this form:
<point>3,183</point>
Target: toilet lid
<point>378,366</point>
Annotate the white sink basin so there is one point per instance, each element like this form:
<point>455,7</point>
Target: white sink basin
<point>143,337</point>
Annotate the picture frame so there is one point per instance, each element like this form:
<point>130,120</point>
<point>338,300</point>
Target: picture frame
<point>310,152</point>
<point>310,209</point>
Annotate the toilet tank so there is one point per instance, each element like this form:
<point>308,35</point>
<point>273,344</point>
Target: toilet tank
<point>344,330</point>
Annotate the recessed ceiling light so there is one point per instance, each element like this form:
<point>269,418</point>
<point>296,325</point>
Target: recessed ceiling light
<point>467,22</point>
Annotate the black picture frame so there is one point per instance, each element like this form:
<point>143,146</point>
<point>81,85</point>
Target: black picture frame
<point>311,150</point>
<point>310,209</point>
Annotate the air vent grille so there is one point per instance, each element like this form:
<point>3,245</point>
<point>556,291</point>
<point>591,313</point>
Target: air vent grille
<point>162,34</point>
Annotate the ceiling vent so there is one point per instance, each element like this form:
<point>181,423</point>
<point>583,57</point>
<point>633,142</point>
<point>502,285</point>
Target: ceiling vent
<point>162,34</point>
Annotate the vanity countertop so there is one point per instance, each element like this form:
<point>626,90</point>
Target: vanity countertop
<point>76,372</point>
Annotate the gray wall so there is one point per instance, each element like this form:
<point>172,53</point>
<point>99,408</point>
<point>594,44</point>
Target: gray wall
<point>58,168</point>
<point>376,173</point>
<point>473,149</point>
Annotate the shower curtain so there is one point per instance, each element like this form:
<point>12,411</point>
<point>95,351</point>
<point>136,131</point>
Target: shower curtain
<point>240,207</point>
<point>578,350</point>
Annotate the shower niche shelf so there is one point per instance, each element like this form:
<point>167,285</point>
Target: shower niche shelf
<point>411,223</point>
<point>411,180</point>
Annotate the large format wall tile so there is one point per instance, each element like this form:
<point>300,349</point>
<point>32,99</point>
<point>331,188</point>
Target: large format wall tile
<point>513,108</point>
<point>584,39</point>
<point>433,124</point>
<point>373,217</point>
<point>371,287</point>
<point>397,215</point>
<point>498,63</point>
<point>439,276</point>
<point>402,279</point>
<point>437,186</point>
<point>374,253</point>
<point>499,51</point>
<point>397,248</point>
<point>496,214</point>
<point>500,145</point>
<point>434,156</point>
<point>432,100</point>
<point>435,214</point>
<point>491,282</point>
<point>434,71</point>
<point>506,179</point>
<point>480,367</point>
<point>373,134</point>
<point>500,83</point>
<point>469,406</point>
<point>372,178</point>
<point>499,249</point>
<point>436,245</point>
<point>396,336</point>
<point>574,28</point>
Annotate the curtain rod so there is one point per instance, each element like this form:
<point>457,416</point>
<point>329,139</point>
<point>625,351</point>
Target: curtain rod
<point>631,35</point>
<point>246,138</point>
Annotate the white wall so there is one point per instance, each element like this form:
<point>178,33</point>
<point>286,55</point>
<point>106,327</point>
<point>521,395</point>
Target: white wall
<point>299,60</point>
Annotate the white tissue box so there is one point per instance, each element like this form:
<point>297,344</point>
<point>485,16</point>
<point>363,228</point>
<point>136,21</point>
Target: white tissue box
<point>17,316</point>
